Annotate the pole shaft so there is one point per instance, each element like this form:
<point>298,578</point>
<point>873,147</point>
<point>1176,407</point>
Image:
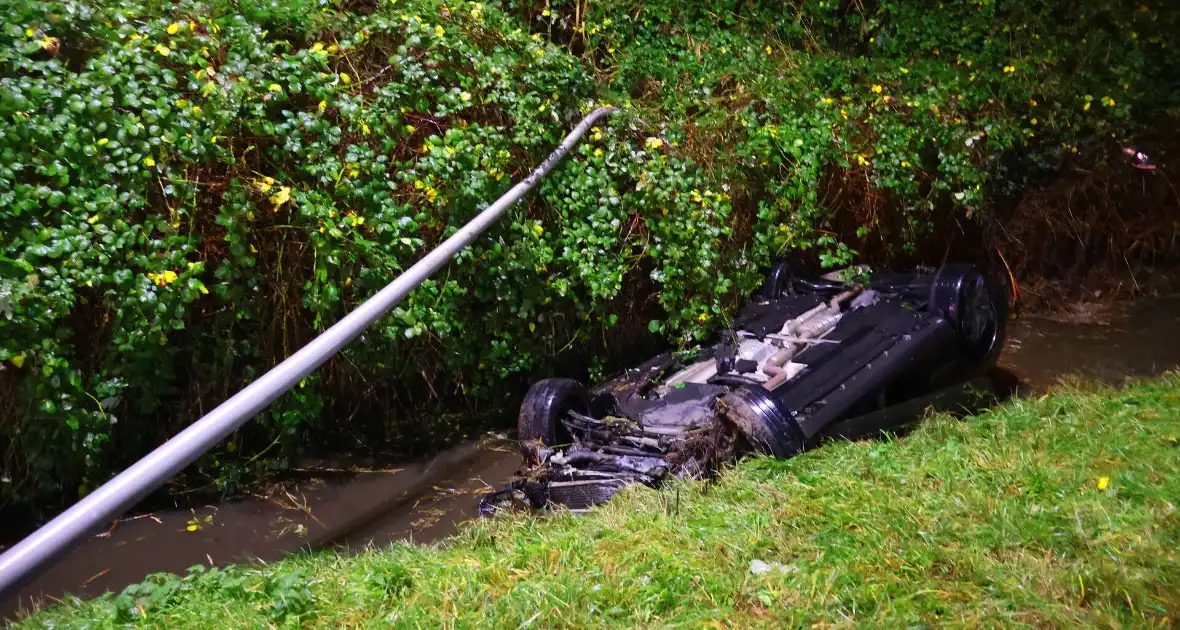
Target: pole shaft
<point>35,553</point>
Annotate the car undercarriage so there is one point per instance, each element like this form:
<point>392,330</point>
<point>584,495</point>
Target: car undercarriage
<point>806,359</point>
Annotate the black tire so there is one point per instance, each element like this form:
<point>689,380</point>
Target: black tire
<point>976,306</point>
<point>544,406</point>
<point>777,281</point>
<point>766,428</point>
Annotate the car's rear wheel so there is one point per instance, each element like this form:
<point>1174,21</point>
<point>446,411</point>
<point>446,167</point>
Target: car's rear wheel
<point>976,306</point>
<point>545,405</point>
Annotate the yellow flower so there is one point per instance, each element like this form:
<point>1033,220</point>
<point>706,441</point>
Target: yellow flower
<point>702,318</point>
<point>1108,101</point>
<point>365,129</point>
<point>431,194</point>
<point>597,152</point>
<point>323,105</point>
<point>180,102</point>
<point>345,78</point>
<point>1009,69</point>
<point>1033,121</point>
<point>173,28</point>
<point>18,360</point>
<point>438,30</point>
<point>281,197</point>
<point>877,89</point>
<point>411,128</point>
<point>149,162</point>
<point>465,96</point>
<point>844,114</point>
<point>769,50</point>
<point>274,87</point>
<point>196,109</point>
<point>163,279</point>
<point>1032,102</point>
<point>654,143</point>
<point>1103,482</point>
<point>538,229</point>
<point>162,50</point>
<point>49,44</point>
<point>905,70</point>
<point>1086,107</point>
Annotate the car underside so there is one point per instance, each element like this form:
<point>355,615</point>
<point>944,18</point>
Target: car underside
<point>806,359</point>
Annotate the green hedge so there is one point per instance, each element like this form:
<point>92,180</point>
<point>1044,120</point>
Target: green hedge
<point>190,190</point>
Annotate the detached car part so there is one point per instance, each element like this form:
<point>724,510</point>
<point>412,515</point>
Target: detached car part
<point>804,360</point>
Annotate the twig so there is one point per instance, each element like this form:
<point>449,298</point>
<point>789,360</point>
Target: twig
<point>96,576</point>
<point>1015,285</point>
<point>379,73</point>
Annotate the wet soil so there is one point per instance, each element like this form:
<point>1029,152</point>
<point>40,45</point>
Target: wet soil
<point>425,501</point>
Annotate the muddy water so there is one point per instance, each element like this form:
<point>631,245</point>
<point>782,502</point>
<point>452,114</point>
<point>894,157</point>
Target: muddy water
<point>419,502</point>
<point>425,501</point>
<point>1108,344</point>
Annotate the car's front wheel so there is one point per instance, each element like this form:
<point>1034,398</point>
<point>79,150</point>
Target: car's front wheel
<point>544,406</point>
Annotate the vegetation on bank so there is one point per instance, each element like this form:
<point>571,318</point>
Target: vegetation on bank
<point>190,190</point>
<point>1055,512</point>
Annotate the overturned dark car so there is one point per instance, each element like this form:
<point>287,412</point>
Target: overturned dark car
<point>806,359</point>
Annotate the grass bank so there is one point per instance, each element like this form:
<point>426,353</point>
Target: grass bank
<point>1058,511</point>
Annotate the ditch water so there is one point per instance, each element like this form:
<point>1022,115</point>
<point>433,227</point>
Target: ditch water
<point>426,501</point>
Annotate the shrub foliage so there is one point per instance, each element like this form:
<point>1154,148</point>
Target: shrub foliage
<point>191,190</point>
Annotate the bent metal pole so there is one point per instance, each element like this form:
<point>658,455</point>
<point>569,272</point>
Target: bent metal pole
<point>33,554</point>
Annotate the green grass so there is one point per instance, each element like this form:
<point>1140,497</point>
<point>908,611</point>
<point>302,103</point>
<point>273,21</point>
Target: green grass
<point>995,521</point>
